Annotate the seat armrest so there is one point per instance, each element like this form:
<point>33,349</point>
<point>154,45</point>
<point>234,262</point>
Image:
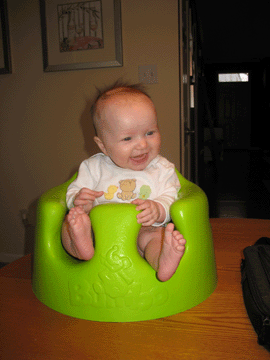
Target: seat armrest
<point>190,210</point>
<point>51,212</point>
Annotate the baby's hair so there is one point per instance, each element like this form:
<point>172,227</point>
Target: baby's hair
<point>119,87</point>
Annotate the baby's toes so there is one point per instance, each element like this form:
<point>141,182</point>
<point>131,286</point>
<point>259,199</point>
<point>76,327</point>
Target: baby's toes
<point>180,242</point>
<point>177,234</point>
<point>180,247</point>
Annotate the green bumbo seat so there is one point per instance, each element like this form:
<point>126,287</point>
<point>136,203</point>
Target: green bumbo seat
<point>117,284</point>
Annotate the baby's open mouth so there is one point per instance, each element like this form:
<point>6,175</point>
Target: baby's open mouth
<point>140,158</point>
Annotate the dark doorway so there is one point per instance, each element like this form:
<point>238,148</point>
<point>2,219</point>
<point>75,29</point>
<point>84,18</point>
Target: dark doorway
<point>234,111</point>
<point>236,181</point>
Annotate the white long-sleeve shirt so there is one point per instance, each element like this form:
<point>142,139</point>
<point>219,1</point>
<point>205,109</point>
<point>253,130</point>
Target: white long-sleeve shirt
<point>158,182</point>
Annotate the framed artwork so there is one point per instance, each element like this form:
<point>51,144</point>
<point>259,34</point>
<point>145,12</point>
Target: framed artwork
<point>5,59</point>
<point>79,35</point>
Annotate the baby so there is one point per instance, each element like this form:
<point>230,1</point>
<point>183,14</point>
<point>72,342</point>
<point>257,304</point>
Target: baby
<point>129,169</point>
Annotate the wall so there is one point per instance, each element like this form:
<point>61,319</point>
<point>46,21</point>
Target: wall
<point>45,130</point>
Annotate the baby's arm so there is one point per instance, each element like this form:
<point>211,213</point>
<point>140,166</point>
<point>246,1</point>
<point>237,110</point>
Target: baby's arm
<point>151,212</point>
<point>85,198</point>
<point>157,212</point>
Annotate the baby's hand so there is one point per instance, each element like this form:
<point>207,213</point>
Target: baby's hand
<point>85,198</point>
<point>151,212</point>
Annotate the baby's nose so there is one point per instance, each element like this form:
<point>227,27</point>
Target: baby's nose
<point>142,143</point>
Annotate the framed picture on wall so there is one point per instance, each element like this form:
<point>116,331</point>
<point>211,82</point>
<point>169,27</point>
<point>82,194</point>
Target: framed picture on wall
<point>5,58</point>
<point>78,35</point>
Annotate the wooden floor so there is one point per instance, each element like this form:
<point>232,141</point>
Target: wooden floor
<point>218,328</point>
<point>241,186</point>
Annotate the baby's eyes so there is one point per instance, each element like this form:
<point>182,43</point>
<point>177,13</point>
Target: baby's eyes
<point>129,138</point>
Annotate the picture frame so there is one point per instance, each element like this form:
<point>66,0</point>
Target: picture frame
<point>79,35</point>
<point>5,57</point>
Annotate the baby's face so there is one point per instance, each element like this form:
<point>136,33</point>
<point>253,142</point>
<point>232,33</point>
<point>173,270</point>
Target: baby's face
<point>129,131</point>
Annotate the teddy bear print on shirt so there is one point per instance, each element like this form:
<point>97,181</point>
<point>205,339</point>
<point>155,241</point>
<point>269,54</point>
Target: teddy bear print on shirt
<point>127,186</point>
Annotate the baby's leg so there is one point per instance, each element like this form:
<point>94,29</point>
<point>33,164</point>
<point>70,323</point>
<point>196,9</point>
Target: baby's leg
<point>76,234</point>
<point>162,248</point>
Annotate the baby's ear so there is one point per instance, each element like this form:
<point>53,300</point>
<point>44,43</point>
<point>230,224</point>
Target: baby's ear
<point>100,144</point>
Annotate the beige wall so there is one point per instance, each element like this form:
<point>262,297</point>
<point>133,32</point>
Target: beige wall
<point>45,131</point>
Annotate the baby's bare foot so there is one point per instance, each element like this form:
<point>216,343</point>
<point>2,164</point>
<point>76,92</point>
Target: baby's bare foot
<point>172,251</point>
<point>79,229</point>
